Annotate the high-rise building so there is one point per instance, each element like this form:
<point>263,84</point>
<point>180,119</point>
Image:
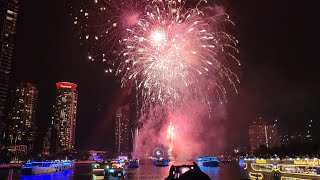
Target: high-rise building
<point>23,114</point>
<point>8,20</point>
<point>309,131</point>
<point>285,140</point>
<point>64,115</point>
<point>262,132</point>
<point>122,130</point>
<point>46,144</point>
<point>135,125</point>
<point>134,138</point>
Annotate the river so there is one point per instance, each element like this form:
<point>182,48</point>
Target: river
<point>227,171</point>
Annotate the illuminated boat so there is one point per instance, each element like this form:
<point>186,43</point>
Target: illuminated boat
<point>225,160</point>
<point>210,161</point>
<point>34,168</point>
<point>114,173</point>
<point>98,168</point>
<point>286,169</point>
<point>133,163</point>
<point>122,160</point>
<point>161,162</point>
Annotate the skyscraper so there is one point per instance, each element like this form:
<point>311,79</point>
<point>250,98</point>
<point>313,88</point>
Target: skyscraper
<point>122,130</point>
<point>8,19</point>
<point>308,133</point>
<point>23,114</point>
<point>46,144</point>
<point>262,132</point>
<point>64,115</point>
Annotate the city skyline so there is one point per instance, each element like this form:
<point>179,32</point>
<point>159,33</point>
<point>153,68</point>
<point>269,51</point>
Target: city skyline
<point>266,87</point>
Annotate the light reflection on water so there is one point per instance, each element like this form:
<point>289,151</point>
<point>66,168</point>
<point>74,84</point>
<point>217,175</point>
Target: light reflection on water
<point>145,171</point>
<point>213,172</point>
<point>65,175</point>
<point>148,171</point>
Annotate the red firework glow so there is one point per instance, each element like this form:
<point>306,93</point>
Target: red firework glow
<point>170,138</point>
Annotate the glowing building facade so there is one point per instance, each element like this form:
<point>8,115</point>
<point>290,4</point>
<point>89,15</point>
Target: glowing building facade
<point>64,115</point>
<point>309,131</point>
<point>46,144</point>
<point>262,132</point>
<point>23,114</point>
<point>8,19</point>
<point>122,130</point>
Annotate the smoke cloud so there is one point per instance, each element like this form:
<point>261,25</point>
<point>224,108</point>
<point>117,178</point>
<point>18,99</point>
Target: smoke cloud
<point>195,132</point>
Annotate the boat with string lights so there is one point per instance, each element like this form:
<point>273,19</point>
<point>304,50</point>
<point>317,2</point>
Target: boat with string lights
<point>99,167</point>
<point>35,168</point>
<point>114,173</point>
<point>284,169</point>
<point>210,161</point>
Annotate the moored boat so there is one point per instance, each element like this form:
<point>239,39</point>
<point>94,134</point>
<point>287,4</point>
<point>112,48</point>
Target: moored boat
<point>34,168</point>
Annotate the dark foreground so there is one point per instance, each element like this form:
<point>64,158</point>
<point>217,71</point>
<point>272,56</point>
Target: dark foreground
<point>229,171</point>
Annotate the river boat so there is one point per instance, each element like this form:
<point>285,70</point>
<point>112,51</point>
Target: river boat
<point>210,161</point>
<point>133,163</point>
<point>114,173</point>
<point>34,168</point>
<point>225,159</point>
<point>161,162</point>
<point>99,167</point>
<point>284,169</point>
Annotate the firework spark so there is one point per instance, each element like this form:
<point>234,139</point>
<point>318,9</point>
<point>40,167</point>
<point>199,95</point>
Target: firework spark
<point>170,138</point>
<point>174,53</point>
<point>102,24</point>
<point>171,53</point>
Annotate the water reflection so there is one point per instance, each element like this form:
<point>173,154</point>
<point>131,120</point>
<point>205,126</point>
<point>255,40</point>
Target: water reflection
<point>212,172</point>
<point>145,171</point>
<point>94,177</point>
<point>65,175</point>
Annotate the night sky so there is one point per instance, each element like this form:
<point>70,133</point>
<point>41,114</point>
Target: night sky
<point>279,52</point>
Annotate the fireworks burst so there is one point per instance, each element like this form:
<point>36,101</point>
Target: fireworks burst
<point>102,24</point>
<point>176,54</point>
<point>175,57</point>
<point>171,53</point>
